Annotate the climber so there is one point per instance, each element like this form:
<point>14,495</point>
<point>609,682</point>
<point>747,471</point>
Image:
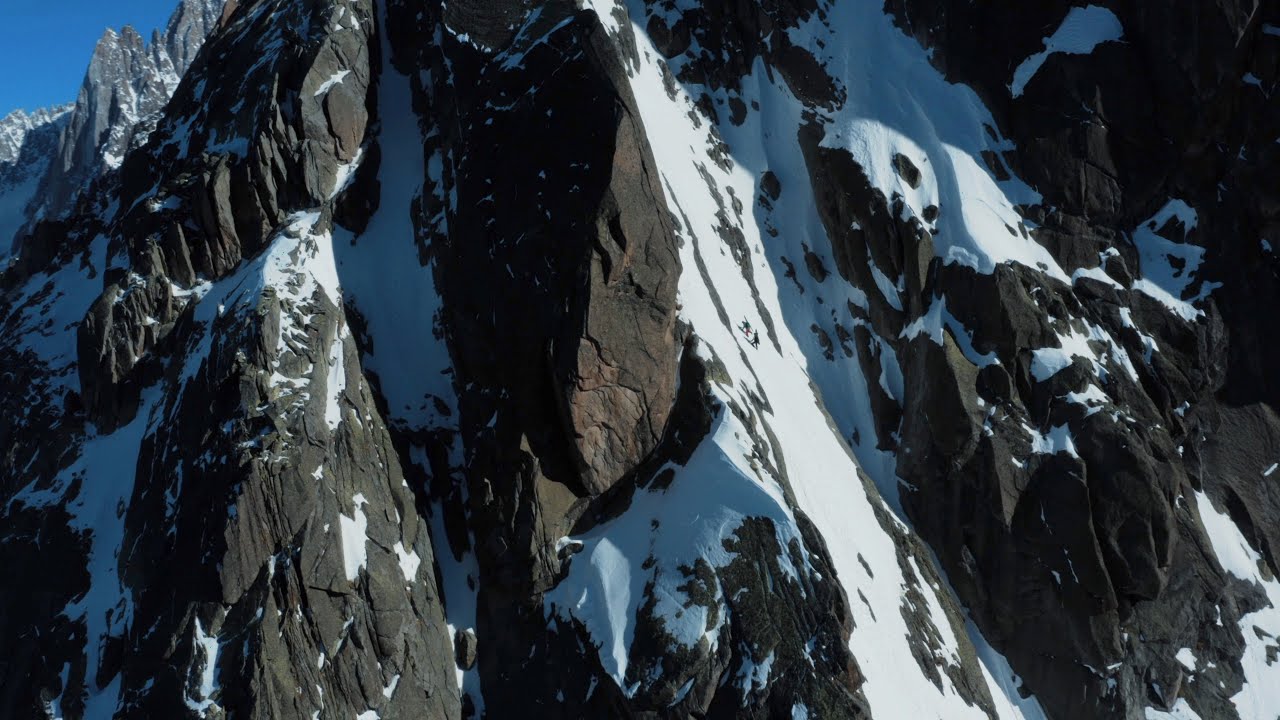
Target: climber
<point>745,327</point>
<point>755,341</point>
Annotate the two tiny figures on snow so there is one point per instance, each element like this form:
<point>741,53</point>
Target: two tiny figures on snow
<point>753,336</point>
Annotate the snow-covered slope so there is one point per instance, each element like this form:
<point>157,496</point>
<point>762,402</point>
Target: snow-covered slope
<point>28,142</point>
<point>645,358</point>
<point>18,126</point>
<point>740,257</point>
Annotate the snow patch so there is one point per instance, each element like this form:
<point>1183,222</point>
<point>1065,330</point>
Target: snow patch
<point>1047,362</point>
<point>390,689</point>
<point>1260,694</point>
<point>409,562</point>
<point>753,676</point>
<point>1168,268</point>
<point>337,380</point>
<point>354,537</point>
<point>664,529</point>
<point>206,649</point>
<point>1187,659</point>
<point>1083,29</point>
<point>1056,440</point>
<point>1180,711</point>
<point>1091,398</point>
<point>329,83</point>
<point>932,323</point>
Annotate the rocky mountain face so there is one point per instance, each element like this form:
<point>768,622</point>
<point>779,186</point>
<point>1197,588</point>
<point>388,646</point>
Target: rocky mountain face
<point>19,128</point>
<point>128,83</point>
<point>777,358</point>
<point>28,142</point>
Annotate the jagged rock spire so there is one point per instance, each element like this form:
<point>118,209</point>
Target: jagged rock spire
<point>127,83</point>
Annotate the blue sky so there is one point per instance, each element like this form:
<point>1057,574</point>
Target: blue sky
<point>45,45</point>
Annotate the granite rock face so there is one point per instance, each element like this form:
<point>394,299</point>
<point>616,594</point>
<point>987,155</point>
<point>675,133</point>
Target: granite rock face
<point>20,129</point>
<point>28,142</point>
<point>128,82</point>
<point>767,359</point>
<point>1145,153</point>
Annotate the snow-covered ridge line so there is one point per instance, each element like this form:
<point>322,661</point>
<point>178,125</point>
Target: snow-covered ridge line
<point>18,124</point>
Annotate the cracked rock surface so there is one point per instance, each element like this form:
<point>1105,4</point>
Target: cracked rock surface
<point>647,359</point>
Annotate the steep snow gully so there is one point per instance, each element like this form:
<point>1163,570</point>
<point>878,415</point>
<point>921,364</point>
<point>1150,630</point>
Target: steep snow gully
<point>815,406</point>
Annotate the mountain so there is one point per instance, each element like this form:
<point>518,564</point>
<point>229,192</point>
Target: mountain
<point>18,128</point>
<point>128,83</point>
<point>28,142</point>
<point>767,359</point>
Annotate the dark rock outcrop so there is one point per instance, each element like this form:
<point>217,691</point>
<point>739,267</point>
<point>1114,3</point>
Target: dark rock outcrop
<point>383,359</point>
<point>271,558</point>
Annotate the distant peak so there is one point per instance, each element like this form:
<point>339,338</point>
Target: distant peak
<point>36,117</point>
